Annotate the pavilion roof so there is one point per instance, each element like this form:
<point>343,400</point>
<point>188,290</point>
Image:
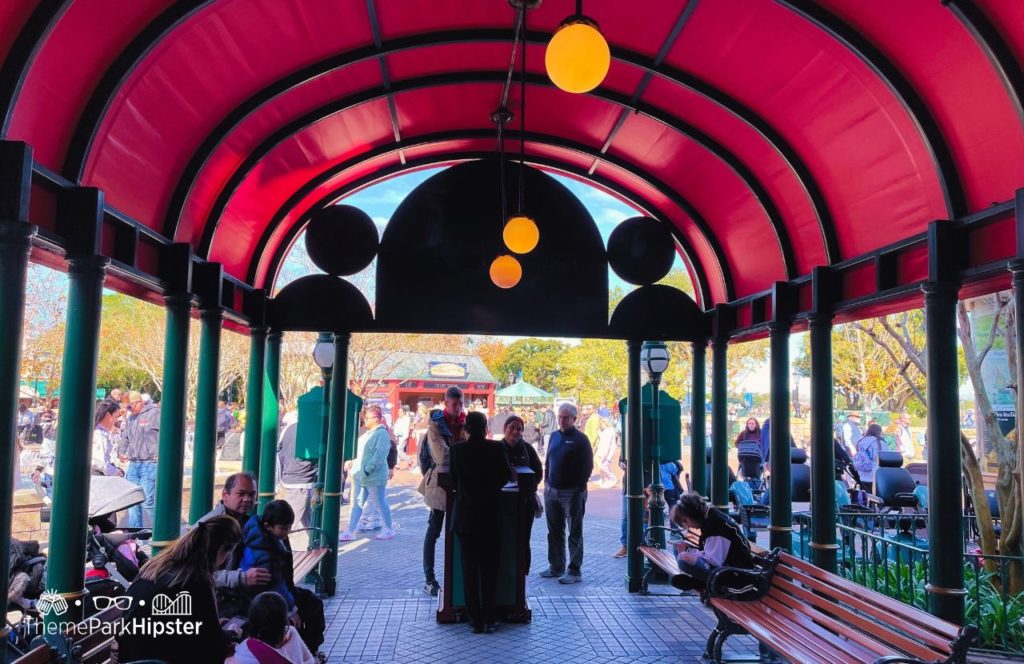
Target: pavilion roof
<point>773,135</point>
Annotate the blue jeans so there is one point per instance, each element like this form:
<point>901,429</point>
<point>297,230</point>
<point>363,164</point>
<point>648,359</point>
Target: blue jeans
<point>361,495</point>
<point>142,473</point>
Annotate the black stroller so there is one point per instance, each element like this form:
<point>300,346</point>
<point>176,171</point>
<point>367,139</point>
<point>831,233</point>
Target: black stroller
<point>752,465</point>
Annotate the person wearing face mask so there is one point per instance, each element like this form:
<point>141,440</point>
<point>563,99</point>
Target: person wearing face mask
<point>520,454</point>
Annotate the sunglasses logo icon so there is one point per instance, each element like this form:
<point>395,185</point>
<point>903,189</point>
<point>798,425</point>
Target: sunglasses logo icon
<point>124,602</point>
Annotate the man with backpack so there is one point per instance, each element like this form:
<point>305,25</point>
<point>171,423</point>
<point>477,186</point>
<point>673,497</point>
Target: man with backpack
<point>446,428</point>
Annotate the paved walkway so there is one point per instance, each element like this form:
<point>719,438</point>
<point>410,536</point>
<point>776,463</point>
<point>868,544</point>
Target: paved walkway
<point>380,613</point>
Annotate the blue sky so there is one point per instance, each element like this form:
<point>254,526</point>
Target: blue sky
<point>380,201</point>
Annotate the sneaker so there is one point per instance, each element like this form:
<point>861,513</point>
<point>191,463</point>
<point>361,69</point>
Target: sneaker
<point>362,525</point>
<point>621,553</point>
<point>387,533</point>
<point>570,578</point>
<point>432,588</point>
<point>550,574</point>
<point>346,537</point>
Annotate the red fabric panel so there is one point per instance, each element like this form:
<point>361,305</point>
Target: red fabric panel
<point>857,281</point>
<point>997,282</point>
<point>42,207</point>
<point>759,156</point>
<point>729,207</point>
<point>1008,17</point>
<point>844,122</point>
<point>992,242</point>
<point>912,264</point>
<point>448,108</point>
<point>259,126</point>
<point>69,66</point>
<point>194,78</point>
<point>13,16</point>
<point>290,165</point>
<point>944,63</point>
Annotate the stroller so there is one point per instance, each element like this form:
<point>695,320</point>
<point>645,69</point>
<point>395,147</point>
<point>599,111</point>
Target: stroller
<point>107,546</point>
<point>752,466</point>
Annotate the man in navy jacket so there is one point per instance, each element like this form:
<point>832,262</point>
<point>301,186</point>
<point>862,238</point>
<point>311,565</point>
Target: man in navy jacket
<point>568,466</point>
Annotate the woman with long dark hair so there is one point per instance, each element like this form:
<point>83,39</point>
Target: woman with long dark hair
<point>866,458</point>
<point>173,614</point>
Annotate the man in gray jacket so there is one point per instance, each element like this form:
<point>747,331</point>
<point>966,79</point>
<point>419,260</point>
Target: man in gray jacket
<point>299,479</point>
<point>138,447</point>
<point>237,500</point>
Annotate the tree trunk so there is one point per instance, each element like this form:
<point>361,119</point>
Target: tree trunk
<point>976,488</point>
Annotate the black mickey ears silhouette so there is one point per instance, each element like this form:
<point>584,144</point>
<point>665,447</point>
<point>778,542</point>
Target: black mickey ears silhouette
<point>641,250</point>
<point>341,240</point>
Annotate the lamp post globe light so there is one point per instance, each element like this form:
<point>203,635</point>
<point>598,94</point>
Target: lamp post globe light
<point>323,357</point>
<point>654,358</point>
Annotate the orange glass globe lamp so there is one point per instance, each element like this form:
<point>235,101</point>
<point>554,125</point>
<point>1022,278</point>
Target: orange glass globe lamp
<point>577,57</point>
<point>521,234</point>
<point>506,271</point>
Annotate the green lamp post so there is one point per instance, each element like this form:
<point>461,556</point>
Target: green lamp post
<point>654,358</point>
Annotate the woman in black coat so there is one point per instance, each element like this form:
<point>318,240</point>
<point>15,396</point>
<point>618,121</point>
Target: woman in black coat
<point>521,454</point>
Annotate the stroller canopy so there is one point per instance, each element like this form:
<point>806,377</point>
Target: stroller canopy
<point>111,494</point>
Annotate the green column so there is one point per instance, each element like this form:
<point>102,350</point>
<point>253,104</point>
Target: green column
<point>271,415</point>
<point>781,488</point>
<point>69,514</point>
<point>945,535</point>
<point>332,471</point>
<point>205,446</point>
<point>634,471</point>
<point>719,424</point>
<point>170,463</point>
<point>254,400</point>
<point>15,241</point>
<point>698,443</point>
<point>823,471</point>
<point>317,506</point>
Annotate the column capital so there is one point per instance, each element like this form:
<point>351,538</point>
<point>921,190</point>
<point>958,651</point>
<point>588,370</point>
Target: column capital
<point>259,331</point>
<point>718,342</point>
<point>274,335</point>
<point>342,336</point>
<point>176,300</point>
<point>213,314</point>
<point>1016,267</point>
<point>820,319</point>
<point>779,327</point>
<point>939,291</point>
<point>88,264</point>
<point>18,233</point>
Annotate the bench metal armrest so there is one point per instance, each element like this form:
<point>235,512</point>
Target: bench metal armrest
<point>669,530</point>
<point>319,536</point>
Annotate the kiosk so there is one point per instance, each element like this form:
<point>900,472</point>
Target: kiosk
<point>517,510</point>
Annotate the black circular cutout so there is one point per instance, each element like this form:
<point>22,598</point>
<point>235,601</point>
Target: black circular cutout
<point>341,239</point>
<point>641,250</point>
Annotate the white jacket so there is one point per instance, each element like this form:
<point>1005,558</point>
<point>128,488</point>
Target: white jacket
<point>294,650</point>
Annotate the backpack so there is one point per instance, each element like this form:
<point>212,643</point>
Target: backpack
<point>424,457</point>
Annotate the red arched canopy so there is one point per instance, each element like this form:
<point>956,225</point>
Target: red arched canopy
<point>774,135</point>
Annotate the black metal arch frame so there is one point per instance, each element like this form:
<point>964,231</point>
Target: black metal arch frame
<point>437,80</point>
<point>913,104</point>
<point>293,231</point>
<point>999,53</point>
<point>531,137</point>
<point>16,65</point>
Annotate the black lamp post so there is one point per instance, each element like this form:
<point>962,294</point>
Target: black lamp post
<point>654,358</point>
<point>323,356</point>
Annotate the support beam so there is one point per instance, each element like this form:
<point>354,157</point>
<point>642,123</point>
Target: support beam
<point>254,400</point>
<point>170,456</point>
<point>205,448</point>
<point>336,435</point>
<point>719,423</point>
<point>15,241</point>
<point>823,485</point>
<point>271,416</point>
<point>945,508</point>
<point>634,470</point>
<point>781,488</point>
<point>80,209</point>
<point>698,435</point>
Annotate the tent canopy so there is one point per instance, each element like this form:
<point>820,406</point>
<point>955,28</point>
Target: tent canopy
<point>522,392</point>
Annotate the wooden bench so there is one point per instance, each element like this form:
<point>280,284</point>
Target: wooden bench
<point>810,615</point>
<point>81,644</point>
<point>305,562</point>
<point>41,654</point>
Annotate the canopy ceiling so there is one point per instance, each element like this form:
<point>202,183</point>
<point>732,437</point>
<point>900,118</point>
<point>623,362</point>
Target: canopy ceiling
<point>774,135</point>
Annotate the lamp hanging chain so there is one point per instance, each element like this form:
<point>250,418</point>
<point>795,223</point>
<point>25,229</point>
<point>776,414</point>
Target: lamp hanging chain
<point>501,172</point>
<point>522,117</point>
<point>579,8</point>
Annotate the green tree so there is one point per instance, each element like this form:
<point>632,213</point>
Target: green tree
<point>539,360</point>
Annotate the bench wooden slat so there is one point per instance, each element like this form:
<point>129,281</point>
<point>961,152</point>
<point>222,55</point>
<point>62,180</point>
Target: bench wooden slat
<point>922,633</point>
<point>855,620</point>
<point>750,616</point>
<point>861,647</point>
<point>41,654</point>
<point>812,638</point>
<point>662,558</point>
<point>947,630</point>
<point>303,562</point>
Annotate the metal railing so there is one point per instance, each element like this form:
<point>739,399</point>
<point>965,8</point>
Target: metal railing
<point>889,556</point>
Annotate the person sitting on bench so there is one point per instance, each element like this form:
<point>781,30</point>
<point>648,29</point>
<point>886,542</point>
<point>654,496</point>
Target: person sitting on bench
<point>722,542</point>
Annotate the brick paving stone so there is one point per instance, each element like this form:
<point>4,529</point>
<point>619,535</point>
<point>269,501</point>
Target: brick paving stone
<point>380,613</point>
